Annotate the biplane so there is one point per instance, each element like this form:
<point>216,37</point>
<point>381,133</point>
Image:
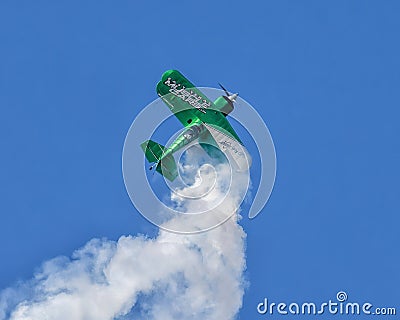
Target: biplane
<point>204,120</point>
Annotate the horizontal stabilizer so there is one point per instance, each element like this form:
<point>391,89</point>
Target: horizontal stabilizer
<point>166,165</point>
<point>152,150</point>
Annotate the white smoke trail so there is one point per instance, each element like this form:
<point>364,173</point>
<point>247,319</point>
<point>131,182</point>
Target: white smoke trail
<point>172,276</point>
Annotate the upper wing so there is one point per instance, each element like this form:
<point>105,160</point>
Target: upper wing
<point>189,104</point>
<point>173,89</point>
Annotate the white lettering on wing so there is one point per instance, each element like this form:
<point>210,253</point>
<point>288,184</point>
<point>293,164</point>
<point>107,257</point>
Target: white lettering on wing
<point>228,145</point>
<point>189,96</point>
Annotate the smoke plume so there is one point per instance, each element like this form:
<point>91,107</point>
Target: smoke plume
<point>171,276</point>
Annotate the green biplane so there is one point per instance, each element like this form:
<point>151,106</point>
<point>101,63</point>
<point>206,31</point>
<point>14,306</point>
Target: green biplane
<point>204,121</point>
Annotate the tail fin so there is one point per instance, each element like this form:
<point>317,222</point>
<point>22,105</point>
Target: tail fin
<point>165,165</point>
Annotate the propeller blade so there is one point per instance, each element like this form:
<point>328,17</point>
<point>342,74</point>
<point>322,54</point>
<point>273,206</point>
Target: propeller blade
<point>223,88</point>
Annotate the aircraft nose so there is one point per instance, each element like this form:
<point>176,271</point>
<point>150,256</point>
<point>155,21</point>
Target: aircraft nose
<point>233,97</point>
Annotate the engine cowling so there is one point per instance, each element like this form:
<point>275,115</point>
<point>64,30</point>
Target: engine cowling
<point>224,105</point>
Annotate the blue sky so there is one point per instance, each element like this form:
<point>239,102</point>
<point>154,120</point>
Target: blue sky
<point>323,75</point>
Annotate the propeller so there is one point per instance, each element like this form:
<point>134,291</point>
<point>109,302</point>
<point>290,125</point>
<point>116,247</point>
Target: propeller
<point>231,97</point>
<point>223,88</point>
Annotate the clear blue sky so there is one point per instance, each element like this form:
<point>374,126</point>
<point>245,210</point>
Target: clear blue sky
<point>325,76</point>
